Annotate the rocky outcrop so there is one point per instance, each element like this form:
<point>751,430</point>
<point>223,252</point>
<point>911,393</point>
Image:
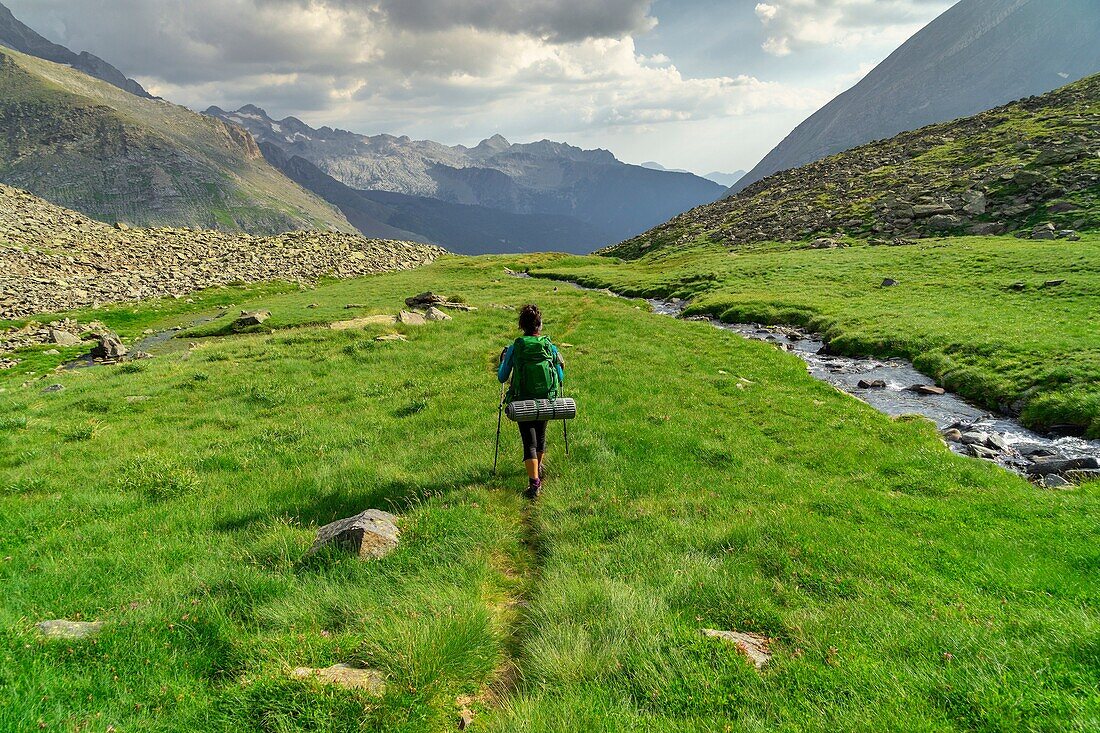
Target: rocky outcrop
<point>1029,168</point>
<point>52,259</point>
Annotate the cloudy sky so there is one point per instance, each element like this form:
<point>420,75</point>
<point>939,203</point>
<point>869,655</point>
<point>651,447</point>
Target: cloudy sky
<point>697,84</point>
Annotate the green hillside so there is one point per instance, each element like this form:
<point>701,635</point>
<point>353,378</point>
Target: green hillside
<point>987,225</point>
<point>712,484</point>
<point>89,146</point>
<point>1008,170</point>
<point>975,313</point>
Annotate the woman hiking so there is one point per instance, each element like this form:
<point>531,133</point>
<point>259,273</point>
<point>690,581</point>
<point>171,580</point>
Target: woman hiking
<point>537,373</point>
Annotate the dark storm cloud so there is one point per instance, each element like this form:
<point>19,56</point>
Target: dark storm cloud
<point>554,20</point>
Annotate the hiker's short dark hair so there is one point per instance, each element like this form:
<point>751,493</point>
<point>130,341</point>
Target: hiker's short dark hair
<point>530,319</point>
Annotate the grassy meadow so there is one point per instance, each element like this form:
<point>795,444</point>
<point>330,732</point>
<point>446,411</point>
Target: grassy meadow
<point>973,312</point>
<point>712,483</point>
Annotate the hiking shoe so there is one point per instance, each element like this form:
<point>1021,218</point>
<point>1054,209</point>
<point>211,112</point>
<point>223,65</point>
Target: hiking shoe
<point>542,471</point>
<point>534,488</point>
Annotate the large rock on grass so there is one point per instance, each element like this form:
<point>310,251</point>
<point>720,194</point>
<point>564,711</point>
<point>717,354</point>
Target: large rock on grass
<point>110,346</point>
<point>252,318</point>
<point>434,314</point>
<point>63,338</point>
<point>370,535</point>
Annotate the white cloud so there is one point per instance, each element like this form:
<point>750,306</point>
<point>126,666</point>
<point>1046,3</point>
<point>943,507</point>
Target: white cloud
<point>556,66</point>
<point>777,46</point>
<point>793,25</point>
<point>766,12</point>
<point>460,70</point>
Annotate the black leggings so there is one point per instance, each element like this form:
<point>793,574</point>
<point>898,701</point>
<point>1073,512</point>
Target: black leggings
<point>534,439</point>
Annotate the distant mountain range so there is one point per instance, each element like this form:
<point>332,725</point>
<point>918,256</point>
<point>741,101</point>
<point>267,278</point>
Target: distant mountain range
<point>722,179</point>
<point>17,36</point>
<point>88,145</point>
<point>461,228</point>
<point>605,199</point>
<point>977,55</point>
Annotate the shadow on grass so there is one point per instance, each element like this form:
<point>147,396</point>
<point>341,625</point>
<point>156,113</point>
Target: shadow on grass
<point>317,509</point>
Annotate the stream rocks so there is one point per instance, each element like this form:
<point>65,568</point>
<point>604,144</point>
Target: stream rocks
<point>1041,464</point>
<point>1060,467</point>
<point>55,259</point>
<point>372,534</point>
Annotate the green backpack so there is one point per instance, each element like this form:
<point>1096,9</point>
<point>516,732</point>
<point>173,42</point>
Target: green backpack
<point>534,376</point>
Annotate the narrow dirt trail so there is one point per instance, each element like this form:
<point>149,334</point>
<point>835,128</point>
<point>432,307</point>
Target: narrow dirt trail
<point>524,573</point>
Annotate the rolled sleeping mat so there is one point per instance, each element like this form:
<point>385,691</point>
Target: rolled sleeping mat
<point>563,408</point>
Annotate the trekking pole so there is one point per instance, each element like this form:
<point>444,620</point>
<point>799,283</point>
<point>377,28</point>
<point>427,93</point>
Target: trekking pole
<point>565,423</point>
<point>500,414</point>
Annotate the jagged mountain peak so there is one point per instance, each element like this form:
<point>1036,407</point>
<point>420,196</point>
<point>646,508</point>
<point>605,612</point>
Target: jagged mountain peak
<point>497,143</point>
<point>602,196</point>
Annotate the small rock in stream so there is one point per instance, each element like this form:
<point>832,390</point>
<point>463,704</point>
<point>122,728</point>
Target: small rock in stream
<point>872,384</point>
<point>1084,475</point>
<point>1060,467</point>
<point>980,451</point>
<point>1054,481</point>
<point>974,438</point>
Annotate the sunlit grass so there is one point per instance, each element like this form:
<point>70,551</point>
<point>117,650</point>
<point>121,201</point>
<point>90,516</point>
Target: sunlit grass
<point>905,588</point>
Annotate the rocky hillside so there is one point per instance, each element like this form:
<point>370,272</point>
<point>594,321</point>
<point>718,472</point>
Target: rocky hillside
<point>89,146</point>
<point>15,34</point>
<point>612,199</point>
<point>53,259</point>
<point>977,55</point>
<point>1031,168</point>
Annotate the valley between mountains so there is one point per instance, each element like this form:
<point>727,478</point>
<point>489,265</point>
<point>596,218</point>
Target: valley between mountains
<point>249,412</point>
